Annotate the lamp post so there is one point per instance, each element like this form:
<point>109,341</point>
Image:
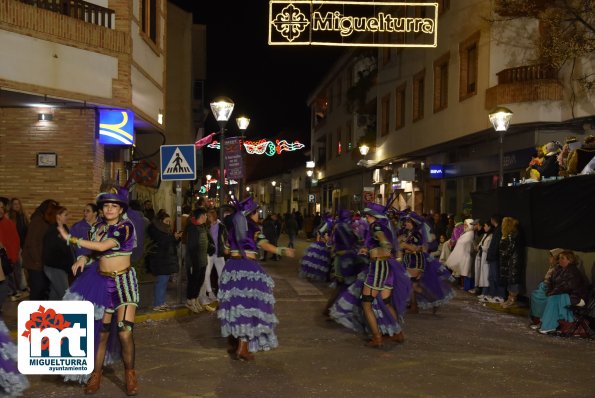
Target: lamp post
<point>222,108</point>
<point>500,118</point>
<point>274,198</point>
<point>243,123</point>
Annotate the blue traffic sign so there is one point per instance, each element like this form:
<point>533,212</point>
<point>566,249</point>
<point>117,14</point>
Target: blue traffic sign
<point>178,162</point>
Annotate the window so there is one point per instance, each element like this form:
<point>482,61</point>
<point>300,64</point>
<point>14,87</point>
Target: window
<point>149,19</point>
<point>329,147</point>
<point>349,136</point>
<point>400,106</point>
<point>468,52</point>
<point>198,90</point>
<point>418,95</point>
<point>386,51</point>
<point>441,82</point>
<point>385,115</point>
<point>443,6</point>
<point>339,144</point>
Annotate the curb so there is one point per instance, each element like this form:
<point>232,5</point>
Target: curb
<point>144,317</point>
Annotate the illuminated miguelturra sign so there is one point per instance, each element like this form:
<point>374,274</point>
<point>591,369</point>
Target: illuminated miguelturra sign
<point>353,23</point>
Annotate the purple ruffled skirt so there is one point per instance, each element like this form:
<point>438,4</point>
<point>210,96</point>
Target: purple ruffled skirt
<point>246,304</point>
<point>93,287</point>
<point>347,309</point>
<point>12,383</point>
<point>316,262</point>
<point>436,289</point>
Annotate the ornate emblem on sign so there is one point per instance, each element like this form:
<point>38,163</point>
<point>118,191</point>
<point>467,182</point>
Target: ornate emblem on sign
<point>291,22</point>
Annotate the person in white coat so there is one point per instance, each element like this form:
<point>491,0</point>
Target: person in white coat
<point>481,263</point>
<point>460,260</point>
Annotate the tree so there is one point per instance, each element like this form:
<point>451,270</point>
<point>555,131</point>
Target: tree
<point>567,32</point>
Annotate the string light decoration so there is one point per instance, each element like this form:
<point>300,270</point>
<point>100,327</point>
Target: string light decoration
<point>266,147</point>
<point>204,188</point>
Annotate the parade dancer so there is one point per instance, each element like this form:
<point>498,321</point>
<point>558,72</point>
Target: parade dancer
<point>113,286</point>
<point>346,262</point>
<point>429,276</point>
<point>382,272</point>
<point>246,301</point>
<point>315,265</point>
<point>12,382</point>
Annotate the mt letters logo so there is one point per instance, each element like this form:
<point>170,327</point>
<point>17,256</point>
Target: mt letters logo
<point>56,337</point>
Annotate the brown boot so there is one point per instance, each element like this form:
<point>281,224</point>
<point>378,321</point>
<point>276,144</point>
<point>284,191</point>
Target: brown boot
<point>232,344</point>
<point>93,383</point>
<point>131,383</point>
<point>375,342</point>
<point>242,352</point>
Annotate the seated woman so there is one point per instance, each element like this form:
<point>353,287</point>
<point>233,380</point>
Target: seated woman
<point>567,287</point>
<point>539,296</point>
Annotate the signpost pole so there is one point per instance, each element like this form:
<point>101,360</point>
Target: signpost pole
<point>179,229</point>
<point>178,163</point>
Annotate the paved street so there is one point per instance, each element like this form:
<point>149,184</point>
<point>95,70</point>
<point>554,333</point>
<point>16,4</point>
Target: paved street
<point>465,350</point>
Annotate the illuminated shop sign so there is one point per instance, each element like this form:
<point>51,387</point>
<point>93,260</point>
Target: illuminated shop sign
<point>436,171</point>
<point>341,23</point>
<point>116,127</point>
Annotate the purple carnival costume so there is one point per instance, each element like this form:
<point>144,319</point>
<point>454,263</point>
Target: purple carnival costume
<point>246,301</point>
<point>346,263</point>
<point>432,289</point>
<point>108,292</point>
<point>316,262</point>
<point>383,273</point>
<point>12,382</point>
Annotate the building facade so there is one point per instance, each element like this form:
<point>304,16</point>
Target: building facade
<point>61,67</point>
<point>424,113</point>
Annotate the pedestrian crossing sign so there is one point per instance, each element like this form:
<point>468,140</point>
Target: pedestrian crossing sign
<point>178,162</point>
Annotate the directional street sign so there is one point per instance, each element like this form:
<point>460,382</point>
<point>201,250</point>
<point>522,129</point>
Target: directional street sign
<point>178,162</point>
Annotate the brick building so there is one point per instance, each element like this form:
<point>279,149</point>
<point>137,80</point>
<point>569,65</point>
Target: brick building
<point>60,66</point>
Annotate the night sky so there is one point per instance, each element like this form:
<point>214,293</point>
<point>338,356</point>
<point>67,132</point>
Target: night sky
<point>270,84</point>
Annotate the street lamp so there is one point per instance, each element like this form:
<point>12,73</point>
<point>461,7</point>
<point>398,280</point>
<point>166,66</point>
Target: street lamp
<point>222,108</point>
<point>500,118</point>
<point>243,123</point>
<point>364,149</point>
<point>310,164</point>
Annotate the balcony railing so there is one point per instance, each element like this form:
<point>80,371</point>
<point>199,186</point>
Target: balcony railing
<point>526,74</point>
<point>78,9</point>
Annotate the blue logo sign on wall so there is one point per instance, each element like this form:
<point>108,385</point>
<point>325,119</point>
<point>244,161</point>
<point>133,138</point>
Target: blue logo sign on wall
<point>178,162</point>
<point>116,127</point>
<point>436,171</point>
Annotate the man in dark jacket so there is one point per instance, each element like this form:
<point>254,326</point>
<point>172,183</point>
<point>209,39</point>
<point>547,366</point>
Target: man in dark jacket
<point>495,289</point>
<point>269,229</point>
<point>198,240</point>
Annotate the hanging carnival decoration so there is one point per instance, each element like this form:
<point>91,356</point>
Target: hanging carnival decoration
<point>265,147</point>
